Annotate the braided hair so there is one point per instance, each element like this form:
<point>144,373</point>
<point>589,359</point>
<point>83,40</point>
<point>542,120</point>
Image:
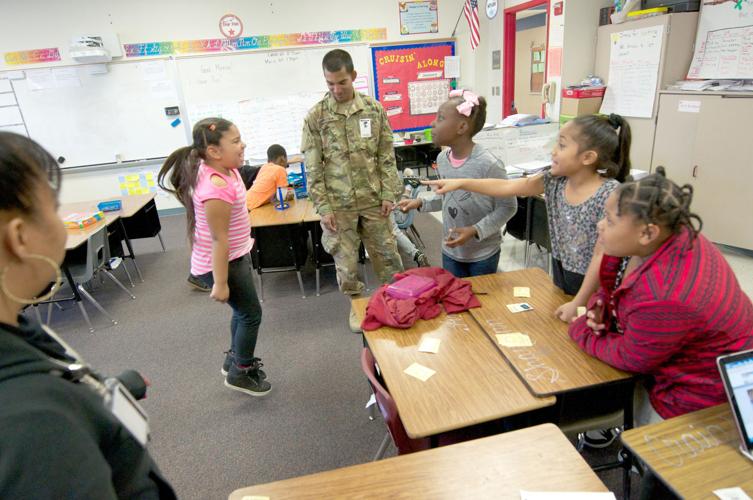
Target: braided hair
<point>655,199</point>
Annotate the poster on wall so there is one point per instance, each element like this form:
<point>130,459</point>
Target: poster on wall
<point>419,16</point>
<point>410,82</point>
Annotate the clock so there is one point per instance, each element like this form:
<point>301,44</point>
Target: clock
<point>491,8</point>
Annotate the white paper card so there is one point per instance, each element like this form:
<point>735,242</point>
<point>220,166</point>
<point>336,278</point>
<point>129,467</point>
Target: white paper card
<point>429,345</point>
<point>66,77</point>
<point>565,495</point>
<point>515,339</point>
<point>580,311</point>
<point>419,371</point>
<point>735,493</point>
<point>520,307</point>
<point>521,291</point>
<point>689,106</point>
<point>5,86</point>
<point>40,79</point>
<point>365,126</point>
<point>452,66</point>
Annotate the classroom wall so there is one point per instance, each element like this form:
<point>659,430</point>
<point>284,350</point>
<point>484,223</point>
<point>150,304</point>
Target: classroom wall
<point>525,100</point>
<point>51,23</point>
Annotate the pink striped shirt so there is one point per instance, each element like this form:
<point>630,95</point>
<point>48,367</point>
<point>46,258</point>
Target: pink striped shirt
<point>239,233</point>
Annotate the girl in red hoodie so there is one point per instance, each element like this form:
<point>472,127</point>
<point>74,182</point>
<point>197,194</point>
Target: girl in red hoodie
<point>668,303</point>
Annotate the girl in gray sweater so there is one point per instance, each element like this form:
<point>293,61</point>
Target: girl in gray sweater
<point>472,222</point>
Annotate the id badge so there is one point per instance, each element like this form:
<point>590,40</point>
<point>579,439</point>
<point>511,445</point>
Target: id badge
<point>125,408</point>
<point>365,126</point>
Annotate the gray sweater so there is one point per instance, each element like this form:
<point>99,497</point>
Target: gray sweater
<point>463,208</point>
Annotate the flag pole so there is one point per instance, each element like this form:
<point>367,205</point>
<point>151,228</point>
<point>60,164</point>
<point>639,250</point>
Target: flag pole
<point>458,21</point>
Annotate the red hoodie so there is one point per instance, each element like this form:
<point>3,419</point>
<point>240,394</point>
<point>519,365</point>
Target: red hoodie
<point>453,293</point>
<point>675,314</point>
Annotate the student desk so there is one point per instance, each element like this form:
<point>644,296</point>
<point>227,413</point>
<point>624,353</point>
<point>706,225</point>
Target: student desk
<point>555,364</point>
<point>694,454</point>
<point>280,245</point>
<point>472,383</point>
<point>535,459</point>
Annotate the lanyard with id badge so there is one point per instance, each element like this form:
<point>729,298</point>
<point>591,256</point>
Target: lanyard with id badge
<point>116,398</point>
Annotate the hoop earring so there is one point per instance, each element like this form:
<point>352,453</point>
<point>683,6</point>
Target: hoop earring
<point>55,287</point>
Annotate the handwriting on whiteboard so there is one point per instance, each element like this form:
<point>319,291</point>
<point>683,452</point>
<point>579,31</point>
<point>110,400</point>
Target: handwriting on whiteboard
<point>529,363</point>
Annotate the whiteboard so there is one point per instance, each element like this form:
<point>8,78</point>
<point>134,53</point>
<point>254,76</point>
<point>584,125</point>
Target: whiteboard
<point>633,72</point>
<point>91,118</point>
<point>724,41</point>
<point>266,94</point>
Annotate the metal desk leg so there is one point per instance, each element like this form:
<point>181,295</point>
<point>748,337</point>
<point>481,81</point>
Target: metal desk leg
<point>76,296</point>
<point>130,255</point>
<point>529,230</point>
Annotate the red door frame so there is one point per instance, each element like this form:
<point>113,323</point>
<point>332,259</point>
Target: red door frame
<point>508,66</point>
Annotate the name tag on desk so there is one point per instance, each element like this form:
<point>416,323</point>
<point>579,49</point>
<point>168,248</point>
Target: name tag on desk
<point>365,126</point>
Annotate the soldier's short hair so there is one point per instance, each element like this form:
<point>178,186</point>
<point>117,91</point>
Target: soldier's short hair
<point>275,151</point>
<point>337,59</point>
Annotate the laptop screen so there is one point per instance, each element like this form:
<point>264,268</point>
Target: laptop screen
<point>739,373</point>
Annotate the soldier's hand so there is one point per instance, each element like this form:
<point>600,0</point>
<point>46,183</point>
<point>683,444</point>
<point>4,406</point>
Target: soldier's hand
<point>328,221</point>
<point>459,236</point>
<point>406,205</point>
<point>387,207</point>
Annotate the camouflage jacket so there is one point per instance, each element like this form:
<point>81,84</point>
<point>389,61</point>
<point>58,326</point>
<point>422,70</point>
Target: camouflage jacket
<point>350,160</point>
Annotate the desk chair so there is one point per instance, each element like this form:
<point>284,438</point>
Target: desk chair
<point>82,266</point>
<point>386,404</point>
<point>531,224</point>
<point>404,220</point>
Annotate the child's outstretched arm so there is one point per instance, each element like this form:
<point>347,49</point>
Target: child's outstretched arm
<point>527,186</point>
<point>218,218</point>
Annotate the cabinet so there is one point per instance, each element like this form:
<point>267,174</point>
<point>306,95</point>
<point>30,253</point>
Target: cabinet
<point>676,54</point>
<point>706,140</point>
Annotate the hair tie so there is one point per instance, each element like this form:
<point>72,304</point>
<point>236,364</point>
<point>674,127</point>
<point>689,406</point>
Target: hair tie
<point>470,100</point>
<point>212,127</point>
<point>615,121</point>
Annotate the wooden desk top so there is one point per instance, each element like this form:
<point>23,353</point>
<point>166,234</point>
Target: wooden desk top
<point>311,215</point>
<point>472,384</point>
<point>555,363</point>
<point>130,205</point>
<point>694,454</point>
<point>536,459</point>
<point>268,215</point>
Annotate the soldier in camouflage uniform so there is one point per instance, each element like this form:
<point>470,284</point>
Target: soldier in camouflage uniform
<point>353,179</point>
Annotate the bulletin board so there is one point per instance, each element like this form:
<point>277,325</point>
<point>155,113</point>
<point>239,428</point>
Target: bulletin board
<point>410,82</point>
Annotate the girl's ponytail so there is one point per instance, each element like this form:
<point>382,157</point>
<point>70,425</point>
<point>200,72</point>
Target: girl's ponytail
<point>622,153</point>
<point>182,166</point>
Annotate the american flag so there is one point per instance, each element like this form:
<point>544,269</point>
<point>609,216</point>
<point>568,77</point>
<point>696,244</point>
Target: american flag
<point>471,14</point>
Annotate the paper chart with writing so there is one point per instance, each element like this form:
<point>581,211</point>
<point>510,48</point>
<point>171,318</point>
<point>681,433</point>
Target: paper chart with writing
<point>633,72</point>
<point>426,96</point>
<point>724,41</point>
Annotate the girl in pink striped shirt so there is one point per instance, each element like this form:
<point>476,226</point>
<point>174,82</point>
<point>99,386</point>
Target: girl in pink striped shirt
<point>205,179</point>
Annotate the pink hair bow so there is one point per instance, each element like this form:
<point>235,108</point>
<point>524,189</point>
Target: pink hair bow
<point>471,100</point>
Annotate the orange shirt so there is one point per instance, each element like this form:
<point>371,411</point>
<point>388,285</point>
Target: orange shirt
<point>270,177</point>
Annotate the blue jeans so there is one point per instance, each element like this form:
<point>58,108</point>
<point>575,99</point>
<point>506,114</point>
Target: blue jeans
<point>244,325</point>
<point>466,269</point>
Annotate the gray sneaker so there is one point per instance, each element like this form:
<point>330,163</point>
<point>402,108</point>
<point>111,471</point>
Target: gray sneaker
<point>247,380</point>
<point>198,284</point>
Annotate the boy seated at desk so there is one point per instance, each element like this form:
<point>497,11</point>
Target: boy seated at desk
<point>272,175</point>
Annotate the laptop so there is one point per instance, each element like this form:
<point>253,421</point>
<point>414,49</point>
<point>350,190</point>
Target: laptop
<point>737,374</point>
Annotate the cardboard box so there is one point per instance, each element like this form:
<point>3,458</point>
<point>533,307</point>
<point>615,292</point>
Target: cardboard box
<point>580,107</point>
<point>582,92</point>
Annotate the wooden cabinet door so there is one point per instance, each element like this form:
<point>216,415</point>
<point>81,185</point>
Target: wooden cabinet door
<point>675,135</point>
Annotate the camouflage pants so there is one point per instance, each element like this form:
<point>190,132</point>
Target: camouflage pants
<point>376,233</point>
